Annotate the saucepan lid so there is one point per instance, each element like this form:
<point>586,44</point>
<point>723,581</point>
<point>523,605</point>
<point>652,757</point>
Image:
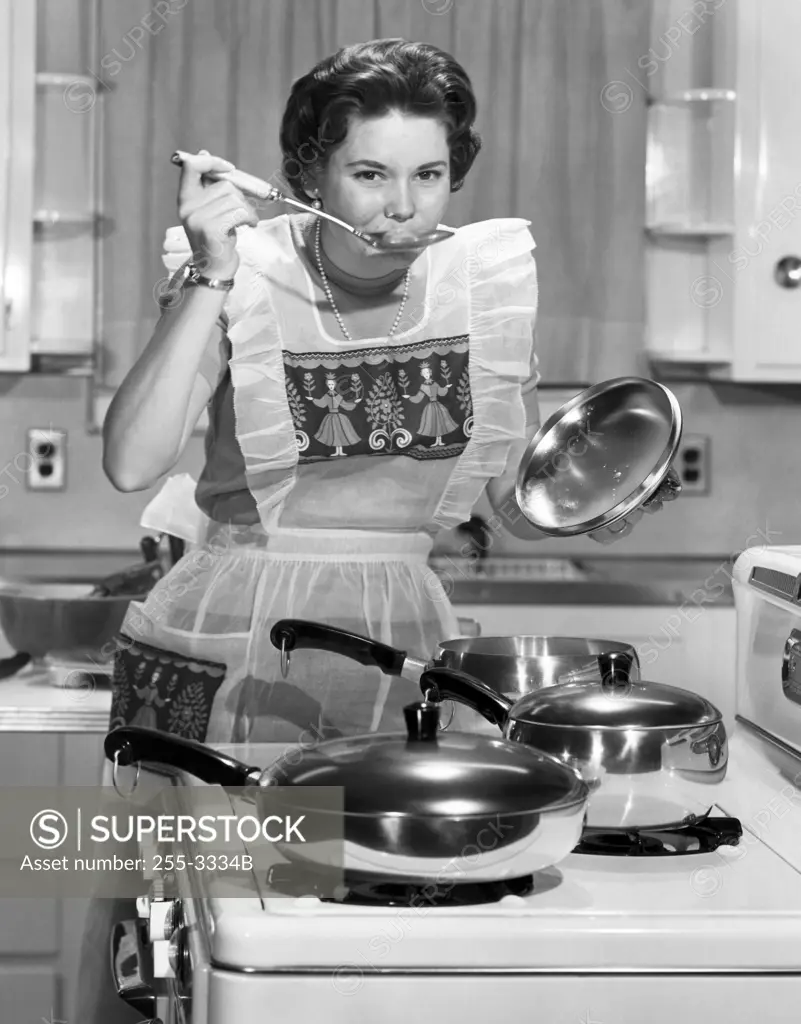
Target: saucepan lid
<point>637,706</point>
<point>600,456</point>
<point>428,773</point>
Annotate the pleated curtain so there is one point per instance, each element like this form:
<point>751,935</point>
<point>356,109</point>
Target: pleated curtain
<point>561,114</point>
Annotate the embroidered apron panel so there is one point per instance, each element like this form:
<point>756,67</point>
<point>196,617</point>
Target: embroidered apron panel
<point>412,400</point>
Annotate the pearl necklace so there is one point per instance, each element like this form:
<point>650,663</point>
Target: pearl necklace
<point>329,294</point>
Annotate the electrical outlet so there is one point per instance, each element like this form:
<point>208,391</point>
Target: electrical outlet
<point>48,453</point>
<point>692,464</point>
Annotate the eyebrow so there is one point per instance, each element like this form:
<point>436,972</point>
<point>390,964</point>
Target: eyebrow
<point>382,167</point>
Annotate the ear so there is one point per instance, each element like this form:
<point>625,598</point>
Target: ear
<point>311,181</point>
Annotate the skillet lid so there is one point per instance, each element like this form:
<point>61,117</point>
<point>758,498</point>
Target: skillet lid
<point>631,705</point>
<point>427,773</point>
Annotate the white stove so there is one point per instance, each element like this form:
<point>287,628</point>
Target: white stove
<point>601,939</point>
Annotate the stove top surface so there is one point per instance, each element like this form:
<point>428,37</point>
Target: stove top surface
<point>717,908</point>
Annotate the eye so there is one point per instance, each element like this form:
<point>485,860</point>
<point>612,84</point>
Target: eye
<point>435,175</point>
<point>363,175</point>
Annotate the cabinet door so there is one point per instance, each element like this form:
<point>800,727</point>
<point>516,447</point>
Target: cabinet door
<point>767,315</point>
<point>17,106</point>
<point>28,994</point>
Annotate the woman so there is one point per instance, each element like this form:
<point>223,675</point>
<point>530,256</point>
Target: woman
<point>321,484</point>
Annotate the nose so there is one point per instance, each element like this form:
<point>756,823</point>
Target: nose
<point>400,205</point>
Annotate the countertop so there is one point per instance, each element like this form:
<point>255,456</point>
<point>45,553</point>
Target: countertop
<point>608,580</point>
<point>601,581</point>
<point>35,701</point>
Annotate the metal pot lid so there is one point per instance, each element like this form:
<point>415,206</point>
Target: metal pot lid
<point>599,457</point>
<point>435,774</point>
<point>633,705</point>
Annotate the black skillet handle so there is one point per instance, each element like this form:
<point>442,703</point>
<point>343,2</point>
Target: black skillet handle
<point>133,743</point>
<point>10,666</point>
<point>451,684</point>
<point>297,634</point>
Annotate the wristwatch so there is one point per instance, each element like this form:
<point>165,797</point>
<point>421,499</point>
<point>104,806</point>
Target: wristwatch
<point>193,276</point>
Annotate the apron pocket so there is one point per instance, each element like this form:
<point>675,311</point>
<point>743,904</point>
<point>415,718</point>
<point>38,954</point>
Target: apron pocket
<point>162,690</point>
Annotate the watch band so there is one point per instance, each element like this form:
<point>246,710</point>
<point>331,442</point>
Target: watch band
<point>193,276</point>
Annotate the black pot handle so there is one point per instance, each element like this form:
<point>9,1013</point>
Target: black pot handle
<point>297,634</point>
<point>130,744</point>
<point>451,684</point>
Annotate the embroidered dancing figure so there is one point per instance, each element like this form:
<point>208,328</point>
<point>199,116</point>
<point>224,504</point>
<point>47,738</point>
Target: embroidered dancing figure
<point>436,421</point>
<point>336,430</point>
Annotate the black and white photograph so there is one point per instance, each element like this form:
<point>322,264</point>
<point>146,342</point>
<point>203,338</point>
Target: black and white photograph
<point>400,512</point>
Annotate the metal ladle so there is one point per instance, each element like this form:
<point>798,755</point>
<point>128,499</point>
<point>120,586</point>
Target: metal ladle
<point>256,187</point>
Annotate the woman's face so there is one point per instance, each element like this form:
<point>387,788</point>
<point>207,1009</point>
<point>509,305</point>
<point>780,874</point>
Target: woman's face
<point>390,177</point>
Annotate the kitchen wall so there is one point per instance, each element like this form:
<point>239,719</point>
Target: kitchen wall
<point>755,478</point>
<point>563,143</point>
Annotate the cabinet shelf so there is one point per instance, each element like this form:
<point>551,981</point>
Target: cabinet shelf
<point>64,80</point>
<point>52,224</point>
<point>61,364</point>
<point>679,99</point>
<point>700,230</point>
<point>689,358</point>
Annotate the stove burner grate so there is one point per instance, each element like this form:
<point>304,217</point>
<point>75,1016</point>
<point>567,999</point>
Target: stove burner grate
<point>693,835</point>
<point>367,890</point>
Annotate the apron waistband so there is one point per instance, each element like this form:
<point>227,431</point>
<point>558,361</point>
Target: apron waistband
<point>324,545</point>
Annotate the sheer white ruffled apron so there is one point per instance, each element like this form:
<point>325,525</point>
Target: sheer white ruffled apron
<point>220,602</point>
<point>222,599</point>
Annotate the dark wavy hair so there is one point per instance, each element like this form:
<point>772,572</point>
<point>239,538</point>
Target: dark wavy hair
<point>371,79</point>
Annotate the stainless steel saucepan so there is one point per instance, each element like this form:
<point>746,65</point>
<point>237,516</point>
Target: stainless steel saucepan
<point>637,745</point>
<point>421,805</point>
<point>510,665</point>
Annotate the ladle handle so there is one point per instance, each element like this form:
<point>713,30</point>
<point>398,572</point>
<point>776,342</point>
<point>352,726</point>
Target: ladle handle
<point>451,684</point>
<point>251,185</point>
<point>260,189</point>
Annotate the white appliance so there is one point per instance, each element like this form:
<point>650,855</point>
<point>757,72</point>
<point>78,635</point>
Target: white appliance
<point>602,939</point>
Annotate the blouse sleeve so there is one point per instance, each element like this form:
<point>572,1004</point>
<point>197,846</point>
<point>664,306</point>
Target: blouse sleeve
<point>530,388</point>
<point>214,361</point>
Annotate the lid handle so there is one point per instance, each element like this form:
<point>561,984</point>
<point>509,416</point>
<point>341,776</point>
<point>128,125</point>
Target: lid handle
<point>422,721</point>
<point>617,670</point>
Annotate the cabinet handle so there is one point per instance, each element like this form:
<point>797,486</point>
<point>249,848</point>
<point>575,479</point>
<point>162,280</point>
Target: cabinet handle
<point>787,272</point>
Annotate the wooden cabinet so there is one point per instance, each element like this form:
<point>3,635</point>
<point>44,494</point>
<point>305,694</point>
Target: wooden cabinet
<point>694,648</point>
<point>24,991</point>
<point>40,939</point>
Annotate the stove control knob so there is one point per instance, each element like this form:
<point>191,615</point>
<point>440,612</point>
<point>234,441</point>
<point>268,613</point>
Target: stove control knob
<point>174,918</point>
<point>180,958</point>
<point>164,919</point>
